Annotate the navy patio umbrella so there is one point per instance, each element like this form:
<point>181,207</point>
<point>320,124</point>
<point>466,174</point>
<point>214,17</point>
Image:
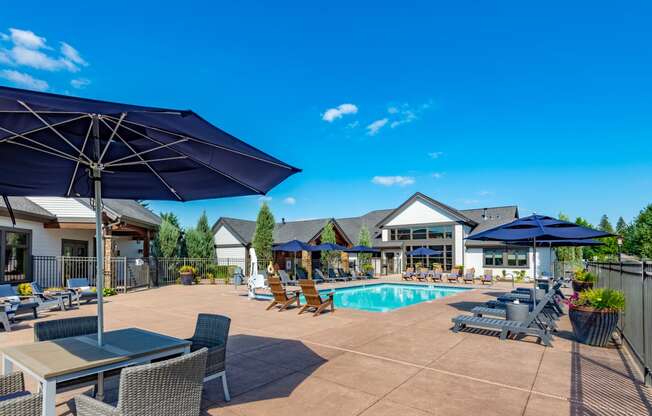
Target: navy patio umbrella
<point>538,228</point>
<point>56,145</point>
<point>293,246</point>
<point>328,247</point>
<point>424,251</point>
<point>362,249</point>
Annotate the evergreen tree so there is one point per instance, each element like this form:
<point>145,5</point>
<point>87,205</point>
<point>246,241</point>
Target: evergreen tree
<point>199,240</point>
<point>567,254</point>
<point>621,226</point>
<point>610,248</point>
<point>605,225</point>
<point>588,253</point>
<point>167,239</point>
<point>328,257</point>
<point>264,234</point>
<point>639,236</point>
<point>364,239</point>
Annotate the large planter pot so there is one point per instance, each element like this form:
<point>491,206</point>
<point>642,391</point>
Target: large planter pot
<point>593,326</point>
<point>581,286</point>
<point>187,278</point>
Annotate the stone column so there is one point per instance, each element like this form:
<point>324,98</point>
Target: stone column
<point>306,262</point>
<point>344,258</point>
<point>108,254</point>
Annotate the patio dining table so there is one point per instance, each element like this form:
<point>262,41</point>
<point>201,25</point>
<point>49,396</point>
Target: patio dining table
<point>50,362</point>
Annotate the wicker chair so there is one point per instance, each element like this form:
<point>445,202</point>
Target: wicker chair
<point>212,332</point>
<point>14,400</point>
<point>64,328</point>
<point>167,388</point>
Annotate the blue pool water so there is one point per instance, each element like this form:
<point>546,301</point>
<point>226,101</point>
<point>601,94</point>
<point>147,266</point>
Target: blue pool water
<point>384,297</point>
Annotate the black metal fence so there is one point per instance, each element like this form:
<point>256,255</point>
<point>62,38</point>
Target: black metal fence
<point>635,326</point>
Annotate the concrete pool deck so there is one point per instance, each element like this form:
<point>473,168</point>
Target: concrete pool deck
<point>352,362</point>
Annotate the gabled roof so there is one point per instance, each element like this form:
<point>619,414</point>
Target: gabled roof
<point>418,195</point>
<point>24,208</point>
<point>488,218</point>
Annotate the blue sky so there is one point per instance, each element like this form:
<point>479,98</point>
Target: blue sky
<point>547,106</point>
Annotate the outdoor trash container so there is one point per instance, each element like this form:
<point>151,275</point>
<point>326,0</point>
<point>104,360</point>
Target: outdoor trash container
<point>517,311</point>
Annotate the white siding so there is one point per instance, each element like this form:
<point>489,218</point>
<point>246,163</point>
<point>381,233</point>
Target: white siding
<point>64,207</point>
<point>475,258</point>
<point>419,212</point>
<point>458,239</point>
<point>223,237</point>
<point>128,247</point>
<point>47,241</point>
<point>230,253</point>
<point>385,234</point>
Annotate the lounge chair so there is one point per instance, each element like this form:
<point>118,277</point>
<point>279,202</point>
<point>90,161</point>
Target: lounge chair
<point>488,277</point>
<point>408,274</point>
<point>82,287</point>
<point>48,301</point>
<point>301,273</point>
<point>212,333</point>
<point>436,276</point>
<point>319,277</point>
<point>6,314</point>
<point>281,298</point>
<point>171,387</point>
<point>21,305</point>
<point>334,276</point>
<point>15,400</point>
<point>422,276</point>
<point>285,278</point>
<point>530,326</point>
<point>344,274</point>
<point>453,276</point>
<point>314,299</point>
<point>469,276</point>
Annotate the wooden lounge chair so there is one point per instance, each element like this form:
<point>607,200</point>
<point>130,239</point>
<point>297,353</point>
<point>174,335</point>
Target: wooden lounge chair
<point>488,277</point>
<point>281,298</point>
<point>314,299</point>
<point>469,276</point>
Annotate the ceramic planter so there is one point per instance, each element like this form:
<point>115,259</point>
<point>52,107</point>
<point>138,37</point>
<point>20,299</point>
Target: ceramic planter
<point>187,278</point>
<point>593,326</point>
<point>581,286</point>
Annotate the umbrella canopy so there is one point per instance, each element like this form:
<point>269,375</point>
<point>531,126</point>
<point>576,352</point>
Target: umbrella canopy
<point>362,249</point>
<point>55,145</point>
<point>328,247</point>
<point>424,251</point>
<point>538,227</point>
<point>293,246</point>
<point>558,243</point>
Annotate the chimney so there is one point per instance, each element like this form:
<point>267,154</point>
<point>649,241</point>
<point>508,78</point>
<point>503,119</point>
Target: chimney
<point>283,220</point>
<point>484,214</point>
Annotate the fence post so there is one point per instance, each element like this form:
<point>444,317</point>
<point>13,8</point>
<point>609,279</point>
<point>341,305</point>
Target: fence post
<point>647,336</point>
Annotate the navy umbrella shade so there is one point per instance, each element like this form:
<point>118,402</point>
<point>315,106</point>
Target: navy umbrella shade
<point>55,145</point>
<point>424,251</point>
<point>362,249</point>
<point>558,243</point>
<point>293,246</point>
<point>328,247</point>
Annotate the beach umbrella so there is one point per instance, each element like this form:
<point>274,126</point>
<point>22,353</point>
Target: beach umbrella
<point>362,249</point>
<point>537,228</point>
<point>293,246</point>
<point>424,251</point>
<point>328,247</point>
<point>56,145</point>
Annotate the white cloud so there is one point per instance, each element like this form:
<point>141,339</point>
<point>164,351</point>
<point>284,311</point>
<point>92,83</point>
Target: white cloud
<point>333,114</point>
<point>404,113</point>
<point>21,55</point>
<point>4,37</point>
<point>485,193</point>
<point>470,201</point>
<point>290,200</point>
<point>72,54</point>
<point>24,80</point>
<point>5,59</point>
<point>80,83</point>
<point>265,198</point>
<point>436,175</point>
<point>393,180</point>
<point>353,124</point>
<point>27,38</point>
<point>375,127</point>
<point>392,110</point>
<point>435,155</point>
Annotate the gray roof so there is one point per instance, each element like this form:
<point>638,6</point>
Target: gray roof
<point>21,205</point>
<point>491,217</point>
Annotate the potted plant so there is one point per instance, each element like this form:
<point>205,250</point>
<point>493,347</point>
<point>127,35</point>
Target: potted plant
<point>459,269</point>
<point>594,314</point>
<point>187,274</point>
<point>583,280</point>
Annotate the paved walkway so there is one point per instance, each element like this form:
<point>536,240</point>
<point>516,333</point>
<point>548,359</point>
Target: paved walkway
<point>405,362</point>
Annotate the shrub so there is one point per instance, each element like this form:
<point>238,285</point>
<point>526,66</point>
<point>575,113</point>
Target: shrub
<point>24,289</point>
<point>601,298</point>
<point>520,275</point>
<point>220,271</point>
<point>582,275</point>
<point>368,267</point>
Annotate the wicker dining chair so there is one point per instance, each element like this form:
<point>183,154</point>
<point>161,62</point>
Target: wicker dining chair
<point>14,400</point>
<point>212,332</point>
<point>166,388</point>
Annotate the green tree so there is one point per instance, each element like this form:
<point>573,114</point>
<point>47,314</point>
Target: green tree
<point>605,225</point>
<point>264,234</point>
<point>610,247</point>
<point>329,257</point>
<point>567,254</point>
<point>588,253</point>
<point>199,240</point>
<point>167,239</point>
<point>170,217</point>
<point>639,237</point>
<point>364,239</point>
<point>621,226</point>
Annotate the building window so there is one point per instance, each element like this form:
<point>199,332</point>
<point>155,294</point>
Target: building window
<point>403,234</point>
<point>443,260</point>
<point>493,257</point>
<point>419,234</point>
<point>440,231</point>
<point>15,256</point>
<point>517,258</point>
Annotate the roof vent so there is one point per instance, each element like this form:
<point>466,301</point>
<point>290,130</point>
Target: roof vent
<point>283,220</point>
<point>484,214</point>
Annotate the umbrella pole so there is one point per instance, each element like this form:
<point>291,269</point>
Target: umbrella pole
<point>99,255</point>
<point>534,260</point>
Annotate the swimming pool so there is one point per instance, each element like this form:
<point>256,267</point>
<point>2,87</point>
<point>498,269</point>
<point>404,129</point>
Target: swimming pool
<point>384,297</point>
